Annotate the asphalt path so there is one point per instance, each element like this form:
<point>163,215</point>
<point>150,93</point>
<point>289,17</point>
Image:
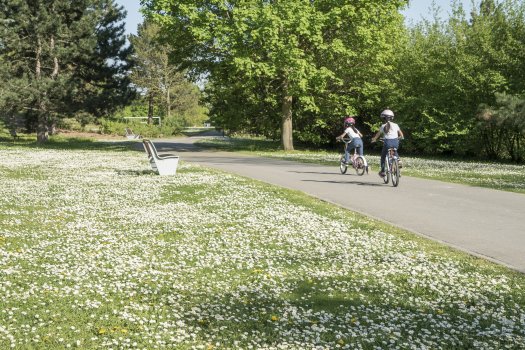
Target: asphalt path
<point>483,222</point>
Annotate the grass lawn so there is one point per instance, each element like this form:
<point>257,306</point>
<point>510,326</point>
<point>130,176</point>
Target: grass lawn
<point>98,252</point>
<point>507,177</point>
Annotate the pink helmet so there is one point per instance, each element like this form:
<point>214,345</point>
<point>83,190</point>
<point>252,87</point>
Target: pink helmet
<point>349,121</point>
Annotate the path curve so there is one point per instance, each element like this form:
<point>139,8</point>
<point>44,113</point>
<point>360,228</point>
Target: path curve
<point>484,222</point>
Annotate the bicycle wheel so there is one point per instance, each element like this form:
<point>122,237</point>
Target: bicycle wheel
<point>342,166</point>
<point>359,165</point>
<point>395,173</point>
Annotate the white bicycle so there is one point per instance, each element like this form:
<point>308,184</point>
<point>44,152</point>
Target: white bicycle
<point>357,161</point>
<point>392,167</point>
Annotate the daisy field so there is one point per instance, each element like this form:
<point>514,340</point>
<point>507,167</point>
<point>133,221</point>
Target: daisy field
<point>98,252</point>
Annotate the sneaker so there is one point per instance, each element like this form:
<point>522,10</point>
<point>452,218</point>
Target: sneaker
<point>381,174</point>
<point>400,163</point>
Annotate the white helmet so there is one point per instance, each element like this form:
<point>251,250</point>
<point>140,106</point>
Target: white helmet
<point>387,114</point>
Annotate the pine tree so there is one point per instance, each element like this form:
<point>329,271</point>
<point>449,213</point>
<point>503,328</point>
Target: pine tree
<point>61,57</point>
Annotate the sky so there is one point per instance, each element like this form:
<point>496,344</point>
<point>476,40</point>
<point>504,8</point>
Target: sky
<point>420,9</point>
<point>134,17</point>
<point>417,10</point>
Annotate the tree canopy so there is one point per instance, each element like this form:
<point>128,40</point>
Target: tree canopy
<point>61,57</point>
<point>289,70</point>
<point>324,59</point>
<point>451,69</point>
<point>161,82</point>
<point>275,56</point>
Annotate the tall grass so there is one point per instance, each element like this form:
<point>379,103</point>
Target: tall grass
<point>96,252</point>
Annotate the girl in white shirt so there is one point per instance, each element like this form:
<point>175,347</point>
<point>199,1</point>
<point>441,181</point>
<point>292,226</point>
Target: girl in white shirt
<point>355,138</point>
<point>391,134</point>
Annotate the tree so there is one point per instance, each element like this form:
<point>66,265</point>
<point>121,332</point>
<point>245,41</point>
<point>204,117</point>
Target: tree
<point>449,68</point>
<point>434,72</point>
<point>102,76</point>
<point>503,127</point>
<point>62,57</point>
<point>285,44</point>
<point>157,77</point>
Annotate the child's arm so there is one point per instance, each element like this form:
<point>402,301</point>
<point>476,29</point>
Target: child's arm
<point>376,136</point>
<point>340,136</point>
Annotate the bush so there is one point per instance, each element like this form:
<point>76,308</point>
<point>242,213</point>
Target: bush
<point>69,124</point>
<point>150,131</point>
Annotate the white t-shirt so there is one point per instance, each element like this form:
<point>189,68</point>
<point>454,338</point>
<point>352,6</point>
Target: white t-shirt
<point>392,133</point>
<point>351,133</point>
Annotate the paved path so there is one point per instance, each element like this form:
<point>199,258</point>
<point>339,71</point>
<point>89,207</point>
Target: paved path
<point>484,222</point>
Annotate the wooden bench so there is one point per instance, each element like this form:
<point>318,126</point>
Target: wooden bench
<point>130,135</point>
<point>163,165</point>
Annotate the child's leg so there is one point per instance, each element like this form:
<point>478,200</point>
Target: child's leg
<point>383,157</point>
<point>359,146</point>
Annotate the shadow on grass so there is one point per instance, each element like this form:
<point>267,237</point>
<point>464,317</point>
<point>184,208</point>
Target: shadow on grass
<point>70,143</point>
<point>201,132</point>
<point>241,144</point>
<point>136,172</point>
<point>296,315</point>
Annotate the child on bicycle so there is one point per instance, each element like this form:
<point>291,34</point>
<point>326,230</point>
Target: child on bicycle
<point>391,134</point>
<point>355,138</point>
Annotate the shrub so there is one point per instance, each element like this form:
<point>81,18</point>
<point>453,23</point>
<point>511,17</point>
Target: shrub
<point>151,131</point>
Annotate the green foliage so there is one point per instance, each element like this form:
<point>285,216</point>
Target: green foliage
<point>165,89</point>
<point>335,59</point>
<point>186,105</point>
<point>502,127</point>
<point>69,124</point>
<point>137,108</point>
<point>167,129</point>
<point>236,108</point>
<point>61,57</point>
<point>265,59</point>
<point>102,78</point>
<point>449,68</point>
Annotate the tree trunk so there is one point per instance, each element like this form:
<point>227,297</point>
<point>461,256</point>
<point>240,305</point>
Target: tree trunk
<point>55,59</point>
<point>51,129</point>
<point>150,108</point>
<point>42,134</point>
<point>286,126</point>
<point>168,104</point>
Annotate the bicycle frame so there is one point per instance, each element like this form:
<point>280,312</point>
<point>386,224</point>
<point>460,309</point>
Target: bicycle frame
<point>392,170</point>
<point>358,162</point>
